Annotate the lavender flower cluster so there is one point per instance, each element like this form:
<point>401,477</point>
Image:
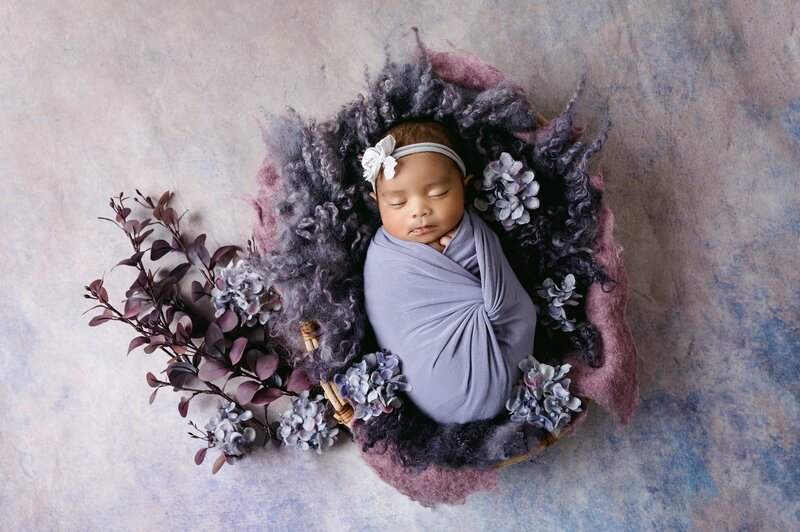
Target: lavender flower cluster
<point>543,398</point>
<point>239,286</point>
<point>508,191</point>
<point>226,433</point>
<point>371,385</point>
<point>307,424</point>
<point>556,297</point>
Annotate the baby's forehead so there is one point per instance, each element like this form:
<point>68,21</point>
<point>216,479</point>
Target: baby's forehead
<point>416,172</point>
<point>401,183</point>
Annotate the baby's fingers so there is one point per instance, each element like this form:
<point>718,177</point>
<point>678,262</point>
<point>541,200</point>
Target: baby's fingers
<point>445,239</point>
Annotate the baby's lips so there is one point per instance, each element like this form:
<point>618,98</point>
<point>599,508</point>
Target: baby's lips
<point>415,228</point>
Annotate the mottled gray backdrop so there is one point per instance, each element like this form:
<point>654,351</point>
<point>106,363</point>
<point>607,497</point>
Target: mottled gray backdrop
<point>702,174</point>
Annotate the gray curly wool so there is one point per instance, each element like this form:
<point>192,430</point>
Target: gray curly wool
<point>318,219</point>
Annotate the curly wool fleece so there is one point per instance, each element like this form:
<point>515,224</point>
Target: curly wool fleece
<point>317,219</point>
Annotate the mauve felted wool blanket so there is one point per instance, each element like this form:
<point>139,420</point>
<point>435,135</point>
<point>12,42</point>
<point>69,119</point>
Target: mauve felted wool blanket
<point>460,321</point>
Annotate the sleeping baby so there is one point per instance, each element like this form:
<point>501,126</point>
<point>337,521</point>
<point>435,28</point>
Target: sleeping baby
<point>439,292</point>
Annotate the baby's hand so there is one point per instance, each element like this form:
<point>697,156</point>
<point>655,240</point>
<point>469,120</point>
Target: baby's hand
<point>445,239</point>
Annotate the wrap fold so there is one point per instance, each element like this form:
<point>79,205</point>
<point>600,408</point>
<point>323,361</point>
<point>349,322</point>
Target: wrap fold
<point>460,321</point>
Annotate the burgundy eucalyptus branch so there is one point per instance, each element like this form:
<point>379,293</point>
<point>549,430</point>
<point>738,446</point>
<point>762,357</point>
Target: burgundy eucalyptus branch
<point>219,331</point>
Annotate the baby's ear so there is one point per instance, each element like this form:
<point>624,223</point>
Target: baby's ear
<point>467,179</point>
<point>373,196</point>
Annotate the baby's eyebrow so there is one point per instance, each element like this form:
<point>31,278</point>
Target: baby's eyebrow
<point>440,181</point>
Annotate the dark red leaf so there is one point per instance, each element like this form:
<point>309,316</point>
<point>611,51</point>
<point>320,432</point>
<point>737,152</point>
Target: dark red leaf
<point>141,238</point>
<point>181,333</point>
<point>132,226</point>
<point>200,456</point>
<point>133,260</point>
<point>200,240</point>
<point>198,292</point>
<point>237,349</point>
<point>183,406</point>
<point>170,314</point>
<point>252,357</point>
<point>153,317</point>
<point>152,381</point>
<point>98,320</point>
<point>95,285</point>
<point>154,343</point>
<point>179,271</point>
<point>153,396</point>
<point>122,213</point>
<point>266,366</point>
<point>218,463</point>
<point>169,216</point>
<point>159,249</point>
<point>298,381</point>
<point>175,244</point>
<point>158,339</point>
<point>221,252</point>
<point>180,372</point>
<point>246,391</point>
<point>140,282</point>
<point>162,288</point>
<point>213,370</point>
<point>265,396</point>
<point>184,326</point>
<point>228,321</point>
<point>132,308</point>
<point>197,254</point>
<point>102,295</point>
<point>164,199</point>
<point>215,342</point>
<point>136,342</point>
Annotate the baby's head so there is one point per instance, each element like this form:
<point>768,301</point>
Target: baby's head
<point>424,199</point>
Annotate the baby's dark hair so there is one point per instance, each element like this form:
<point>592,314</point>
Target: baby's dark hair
<point>416,130</point>
<point>422,130</point>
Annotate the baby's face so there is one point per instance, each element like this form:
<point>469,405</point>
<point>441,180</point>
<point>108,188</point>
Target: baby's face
<point>424,200</point>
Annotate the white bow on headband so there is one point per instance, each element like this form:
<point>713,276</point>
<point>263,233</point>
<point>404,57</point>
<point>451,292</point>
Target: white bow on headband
<point>379,156</point>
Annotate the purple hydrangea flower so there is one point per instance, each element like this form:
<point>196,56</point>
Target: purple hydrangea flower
<point>307,424</point>
<point>225,430</point>
<point>238,286</point>
<point>371,385</point>
<point>556,297</point>
<point>543,398</point>
<point>508,191</point>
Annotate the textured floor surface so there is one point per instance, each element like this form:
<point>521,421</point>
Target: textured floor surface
<point>702,172</point>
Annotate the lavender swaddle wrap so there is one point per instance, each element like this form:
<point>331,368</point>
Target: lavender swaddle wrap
<point>460,320</point>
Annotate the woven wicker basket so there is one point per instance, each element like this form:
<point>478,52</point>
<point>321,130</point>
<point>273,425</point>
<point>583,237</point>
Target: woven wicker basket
<point>344,413</point>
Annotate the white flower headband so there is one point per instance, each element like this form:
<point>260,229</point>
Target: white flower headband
<point>383,155</point>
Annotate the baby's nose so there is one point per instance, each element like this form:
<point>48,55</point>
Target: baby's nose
<point>422,211</point>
